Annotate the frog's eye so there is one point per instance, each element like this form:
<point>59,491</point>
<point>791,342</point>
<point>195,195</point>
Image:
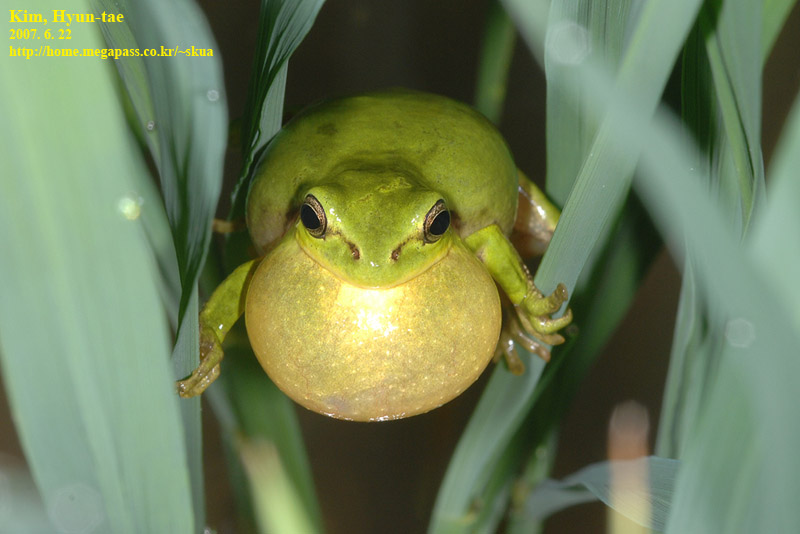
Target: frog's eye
<point>436,222</point>
<point>313,216</point>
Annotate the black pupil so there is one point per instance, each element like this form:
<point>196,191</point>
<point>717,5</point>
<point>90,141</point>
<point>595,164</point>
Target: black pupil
<point>440,223</point>
<point>309,217</point>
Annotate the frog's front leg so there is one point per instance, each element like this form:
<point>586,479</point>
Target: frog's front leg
<point>494,249</point>
<point>219,315</point>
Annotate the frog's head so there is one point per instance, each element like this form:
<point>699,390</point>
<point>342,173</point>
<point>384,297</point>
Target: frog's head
<point>374,227</point>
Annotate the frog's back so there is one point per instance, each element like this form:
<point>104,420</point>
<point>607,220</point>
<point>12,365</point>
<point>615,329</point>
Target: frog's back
<point>445,145</point>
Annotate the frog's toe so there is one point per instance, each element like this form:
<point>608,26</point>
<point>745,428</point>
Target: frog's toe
<point>516,332</point>
<point>197,382</point>
<point>533,345</point>
<point>537,304</point>
<point>543,328</point>
<point>547,325</point>
<point>507,350</point>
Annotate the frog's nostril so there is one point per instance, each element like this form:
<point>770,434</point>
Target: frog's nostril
<point>395,254</point>
<point>355,252</point>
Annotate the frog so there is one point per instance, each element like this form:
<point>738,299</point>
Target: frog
<point>382,225</point>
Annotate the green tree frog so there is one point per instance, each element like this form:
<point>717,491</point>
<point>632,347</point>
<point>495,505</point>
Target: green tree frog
<point>383,224</point>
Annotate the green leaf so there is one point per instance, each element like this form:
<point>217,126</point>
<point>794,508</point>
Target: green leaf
<point>495,60</point>
<point>22,510</point>
<point>601,29</point>
<point>594,202</point>
<point>282,26</point>
<point>733,56</point>
<point>773,242</point>
<point>604,178</point>
<point>775,13</point>
<point>186,133</point>
<point>721,86</point>
<point>189,121</point>
<point>83,337</point>
<point>251,407</point>
<point>277,505</point>
<point>618,484</point>
<point>747,420</point>
<point>752,394</point>
<point>605,300</point>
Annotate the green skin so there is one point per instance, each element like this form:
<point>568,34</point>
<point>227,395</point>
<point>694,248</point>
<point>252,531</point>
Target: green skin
<point>377,164</point>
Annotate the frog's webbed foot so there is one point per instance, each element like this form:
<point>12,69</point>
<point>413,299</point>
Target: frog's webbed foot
<point>208,370</point>
<point>532,327</point>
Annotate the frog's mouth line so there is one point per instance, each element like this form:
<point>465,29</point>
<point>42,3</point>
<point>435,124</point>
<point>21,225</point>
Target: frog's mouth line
<point>392,267</point>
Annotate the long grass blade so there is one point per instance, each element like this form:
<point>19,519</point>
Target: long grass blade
<point>774,242</point>
<point>749,397</point>
<point>775,13</point>
<point>752,393</point>
<point>283,24</point>
<point>187,136</point>
<point>83,339</point>
<point>721,88</point>
<point>499,39</point>
<point>600,29</point>
<point>594,202</point>
<point>277,505</point>
<point>251,407</point>
<point>753,390</point>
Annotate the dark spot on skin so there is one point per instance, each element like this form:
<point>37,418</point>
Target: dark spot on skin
<point>354,251</point>
<point>455,222</point>
<point>327,129</point>
<point>396,254</point>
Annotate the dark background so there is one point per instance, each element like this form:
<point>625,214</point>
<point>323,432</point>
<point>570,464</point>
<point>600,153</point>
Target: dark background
<point>383,477</point>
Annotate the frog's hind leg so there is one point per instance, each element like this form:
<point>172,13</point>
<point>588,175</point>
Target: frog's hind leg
<point>536,219</point>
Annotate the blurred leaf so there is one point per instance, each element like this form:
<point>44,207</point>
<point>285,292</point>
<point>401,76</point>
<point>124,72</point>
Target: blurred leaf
<point>747,420</point>
<point>495,60</point>
<point>594,202</point>
<point>282,26</point>
<point>83,335</point>
<point>604,178</point>
<point>132,71</point>
<point>156,228</point>
<point>189,121</point>
<point>721,86</point>
<point>753,391</point>
<point>277,505</point>
<point>21,508</point>
<point>600,30</point>
<point>186,134</point>
<point>614,483</point>
<point>253,408</point>
<point>605,300</point>
<point>775,13</point>
<point>733,56</point>
<point>774,245</point>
